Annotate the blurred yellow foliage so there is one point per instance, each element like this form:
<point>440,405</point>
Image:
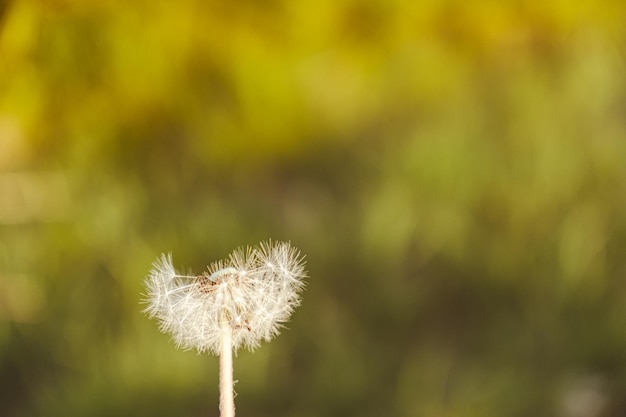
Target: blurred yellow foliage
<point>453,170</point>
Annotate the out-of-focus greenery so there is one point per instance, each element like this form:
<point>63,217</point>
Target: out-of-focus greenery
<point>454,171</point>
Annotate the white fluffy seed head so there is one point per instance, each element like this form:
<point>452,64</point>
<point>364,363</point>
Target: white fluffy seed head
<point>254,292</point>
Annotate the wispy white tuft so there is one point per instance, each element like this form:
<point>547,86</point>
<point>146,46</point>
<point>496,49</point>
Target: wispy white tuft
<point>253,293</point>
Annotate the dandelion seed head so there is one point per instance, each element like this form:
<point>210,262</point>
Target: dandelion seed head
<point>255,291</point>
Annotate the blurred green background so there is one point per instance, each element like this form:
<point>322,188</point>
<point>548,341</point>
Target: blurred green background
<point>455,173</point>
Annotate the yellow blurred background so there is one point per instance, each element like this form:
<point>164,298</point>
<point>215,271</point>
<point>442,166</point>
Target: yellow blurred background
<point>455,173</point>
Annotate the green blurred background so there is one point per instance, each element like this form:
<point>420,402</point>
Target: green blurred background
<point>455,173</point>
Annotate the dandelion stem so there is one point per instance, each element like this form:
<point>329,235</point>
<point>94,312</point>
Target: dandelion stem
<point>227,401</point>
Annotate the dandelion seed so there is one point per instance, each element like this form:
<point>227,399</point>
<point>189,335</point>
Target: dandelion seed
<point>240,302</point>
